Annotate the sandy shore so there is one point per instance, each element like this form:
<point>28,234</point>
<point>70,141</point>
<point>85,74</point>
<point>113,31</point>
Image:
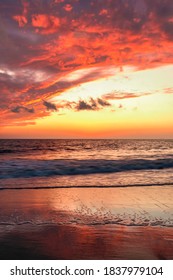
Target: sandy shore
<point>115,223</point>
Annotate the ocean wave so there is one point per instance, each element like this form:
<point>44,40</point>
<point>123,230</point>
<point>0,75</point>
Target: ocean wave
<point>26,150</point>
<point>22,168</point>
<point>6,151</point>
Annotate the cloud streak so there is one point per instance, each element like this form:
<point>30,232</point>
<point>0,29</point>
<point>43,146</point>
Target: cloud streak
<point>116,95</point>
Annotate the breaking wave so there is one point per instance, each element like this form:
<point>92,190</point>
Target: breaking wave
<point>23,168</point>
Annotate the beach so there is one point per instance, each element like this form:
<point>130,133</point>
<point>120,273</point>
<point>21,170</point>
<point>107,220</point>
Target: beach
<point>87,223</point>
<point>86,199</point>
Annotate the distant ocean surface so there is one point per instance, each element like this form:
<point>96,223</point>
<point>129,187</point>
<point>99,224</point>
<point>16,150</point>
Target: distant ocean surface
<point>85,163</point>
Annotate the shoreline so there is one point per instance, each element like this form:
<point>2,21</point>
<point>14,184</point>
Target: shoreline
<point>86,187</point>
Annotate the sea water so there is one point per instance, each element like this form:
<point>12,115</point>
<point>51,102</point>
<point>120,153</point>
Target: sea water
<point>85,163</point>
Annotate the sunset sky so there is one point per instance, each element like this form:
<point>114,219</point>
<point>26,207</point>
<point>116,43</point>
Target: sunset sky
<point>86,69</point>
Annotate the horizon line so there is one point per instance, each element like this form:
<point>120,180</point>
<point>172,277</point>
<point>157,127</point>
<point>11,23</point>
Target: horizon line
<point>87,138</point>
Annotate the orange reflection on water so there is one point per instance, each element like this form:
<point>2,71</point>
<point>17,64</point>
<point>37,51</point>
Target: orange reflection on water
<point>114,223</point>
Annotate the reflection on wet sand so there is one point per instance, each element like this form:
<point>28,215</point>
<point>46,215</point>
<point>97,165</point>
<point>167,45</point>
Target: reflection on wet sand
<point>130,223</point>
<point>86,242</point>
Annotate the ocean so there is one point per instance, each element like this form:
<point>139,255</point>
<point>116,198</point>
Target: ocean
<point>85,163</point>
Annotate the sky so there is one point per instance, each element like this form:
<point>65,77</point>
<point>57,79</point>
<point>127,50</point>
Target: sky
<point>86,69</point>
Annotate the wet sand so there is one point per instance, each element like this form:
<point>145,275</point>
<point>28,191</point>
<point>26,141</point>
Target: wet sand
<point>115,223</point>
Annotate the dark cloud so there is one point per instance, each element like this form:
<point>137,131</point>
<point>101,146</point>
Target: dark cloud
<point>103,102</point>
<point>83,105</point>
<point>19,109</point>
<point>49,106</point>
<point>92,104</point>
<point>168,28</point>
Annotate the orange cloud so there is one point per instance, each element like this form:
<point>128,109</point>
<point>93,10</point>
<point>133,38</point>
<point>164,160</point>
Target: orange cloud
<point>46,24</point>
<point>123,95</point>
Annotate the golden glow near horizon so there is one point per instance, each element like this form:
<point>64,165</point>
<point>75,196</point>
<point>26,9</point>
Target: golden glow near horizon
<point>94,80</point>
<point>149,114</point>
<point>125,114</point>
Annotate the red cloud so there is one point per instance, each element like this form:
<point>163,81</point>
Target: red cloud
<point>47,24</point>
<point>103,12</point>
<point>22,20</point>
<point>68,7</point>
